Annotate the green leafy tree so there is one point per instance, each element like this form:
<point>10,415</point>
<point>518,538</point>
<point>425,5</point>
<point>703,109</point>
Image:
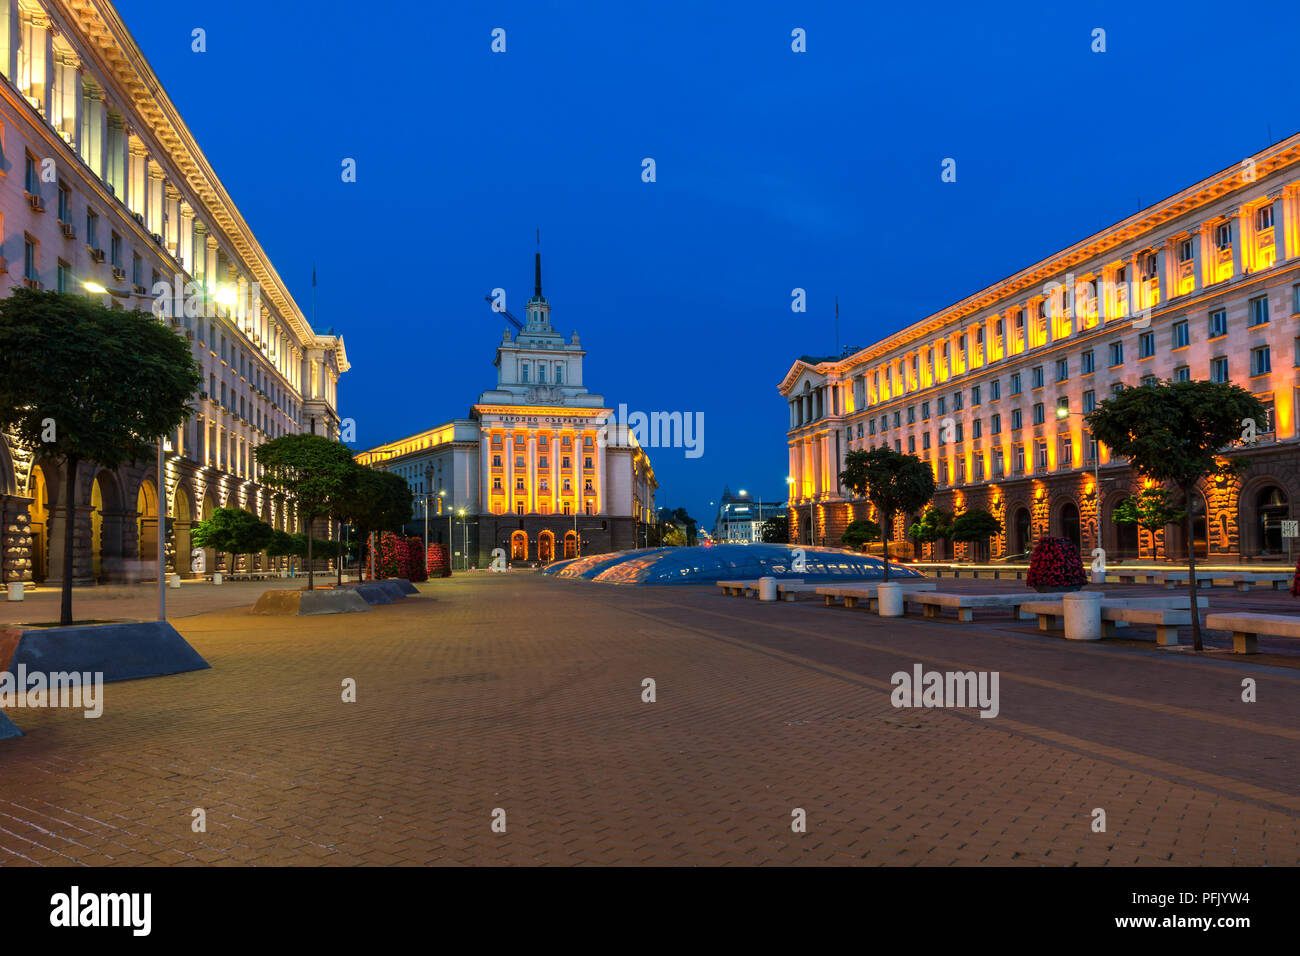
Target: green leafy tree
<point>890,480</point>
<point>776,529</point>
<point>232,531</point>
<point>860,533</point>
<point>1176,433</point>
<point>975,526</point>
<point>312,469</point>
<point>935,523</point>
<point>80,382</point>
<point>1152,508</point>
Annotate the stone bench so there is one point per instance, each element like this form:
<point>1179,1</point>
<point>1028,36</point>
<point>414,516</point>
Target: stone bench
<point>1246,628</point>
<point>933,602</point>
<point>1133,577</point>
<point>786,590</point>
<point>852,594</point>
<point>1242,581</point>
<point>1116,612</point>
<point>1167,620</point>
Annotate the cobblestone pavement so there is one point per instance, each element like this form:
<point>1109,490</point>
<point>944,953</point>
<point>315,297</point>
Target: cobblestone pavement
<point>523,694</point>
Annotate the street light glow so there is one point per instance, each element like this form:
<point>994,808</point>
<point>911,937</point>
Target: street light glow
<point>95,287</point>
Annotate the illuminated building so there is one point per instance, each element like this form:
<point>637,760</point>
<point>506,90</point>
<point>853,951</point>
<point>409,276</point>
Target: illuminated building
<point>105,184</point>
<point>540,467</point>
<point>741,515</point>
<point>1202,285</point>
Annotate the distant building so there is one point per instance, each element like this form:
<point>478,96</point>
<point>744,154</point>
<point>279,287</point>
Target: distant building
<point>539,466</point>
<point>741,515</point>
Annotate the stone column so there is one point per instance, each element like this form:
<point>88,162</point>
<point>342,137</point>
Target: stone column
<point>601,498</point>
<point>531,465</point>
<point>510,471</point>
<point>1281,222</point>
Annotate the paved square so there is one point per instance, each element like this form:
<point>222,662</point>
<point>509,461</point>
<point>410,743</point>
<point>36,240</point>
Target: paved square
<point>524,693</point>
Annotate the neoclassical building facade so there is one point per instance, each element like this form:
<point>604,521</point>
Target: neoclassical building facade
<point>540,467</point>
<point>992,391</point>
<point>104,192</point>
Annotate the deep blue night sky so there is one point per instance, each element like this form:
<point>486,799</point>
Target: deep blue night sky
<point>819,170</point>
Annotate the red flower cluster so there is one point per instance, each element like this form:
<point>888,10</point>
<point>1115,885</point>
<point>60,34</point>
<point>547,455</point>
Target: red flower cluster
<point>439,565</point>
<point>401,557</point>
<point>1295,582</point>
<point>1055,563</point>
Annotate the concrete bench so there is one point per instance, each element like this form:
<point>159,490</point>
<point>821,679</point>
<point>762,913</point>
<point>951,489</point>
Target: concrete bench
<point>852,594</point>
<point>736,588</point>
<point>1246,628</point>
<point>1119,612</point>
<point>1167,620</point>
<point>786,590</point>
<point>1242,581</point>
<point>1133,577</point>
<point>933,602</point>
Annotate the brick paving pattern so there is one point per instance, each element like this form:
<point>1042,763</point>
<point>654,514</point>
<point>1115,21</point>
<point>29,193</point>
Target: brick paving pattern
<point>524,693</point>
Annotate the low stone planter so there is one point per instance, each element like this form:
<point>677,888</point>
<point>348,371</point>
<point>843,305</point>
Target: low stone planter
<point>302,603</point>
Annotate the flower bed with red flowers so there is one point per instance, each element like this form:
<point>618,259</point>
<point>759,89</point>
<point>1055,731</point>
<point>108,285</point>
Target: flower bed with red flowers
<point>1295,582</point>
<point>1055,563</point>
<point>439,565</point>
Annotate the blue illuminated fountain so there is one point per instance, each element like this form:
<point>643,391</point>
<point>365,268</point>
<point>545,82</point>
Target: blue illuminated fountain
<point>727,562</point>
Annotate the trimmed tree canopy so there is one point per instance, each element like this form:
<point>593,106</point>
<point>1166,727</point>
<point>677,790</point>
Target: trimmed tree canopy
<point>82,382</point>
<point>891,481</point>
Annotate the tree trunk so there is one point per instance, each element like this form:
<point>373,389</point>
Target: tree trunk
<point>1191,569</point>
<point>884,538</point>
<point>311,572</point>
<point>339,532</point>
<point>69,519</point>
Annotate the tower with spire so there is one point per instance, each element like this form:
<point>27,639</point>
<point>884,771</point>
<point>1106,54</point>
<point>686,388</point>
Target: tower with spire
<point>537,365</point>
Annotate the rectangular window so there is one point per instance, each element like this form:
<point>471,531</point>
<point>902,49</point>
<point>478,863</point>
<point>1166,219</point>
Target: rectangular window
<point>1219,369</point>
<point>1182,337</point>
<point>995,390</point>
<point>961,436</point>
<point>1223,235</point>
<point>31,176</point>
<point>1087,364</point>
<point>1038,413</point>
<point>911,447</point>
<point>925,417</point>
<point>942,405</point>
<point>1116,354</point>
<point>1146,345</point>
<point>1036,376</point>
<point>29,259</point>
<point>1183,373</point>
<point>115,250</point>
<point>1017,419</point>
<point>977,463</point>
<point>1185,255</point>
<point>898,419</point>
<point>925,444</point>
<point>64,277</point>
<point>1015,384</point>
<point>911,419</point>
<point>1148,380</point>
<point>977,429</point>
<point>1066,449</point>
<point>65,204</point>
<point>1018,459</point>
<point>1042,453</point>
<point>1089,404</point>
<point>995,428</point>
<point>956,401</point>
<point>1260,363</point>
<point>1218,323</point>
<point>1259,310</point>
<point>1062,370</point>
<point>975,398</point>
<point>1264,218</point>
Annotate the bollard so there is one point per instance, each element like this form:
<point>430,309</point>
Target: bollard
<point>1082,615</point>
<point>889,600</point>
<point>767,589</point>
<point>347,578</point>
<point>15,590</point>
<point>173,580</point>
<point>216,577</point>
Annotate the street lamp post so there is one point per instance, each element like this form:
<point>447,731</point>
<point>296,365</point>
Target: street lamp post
<point>465,536</point>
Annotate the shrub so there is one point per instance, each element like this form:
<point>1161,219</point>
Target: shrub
<point>416,569</point>
<point>1055,563</point>
<point>439,565</point>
